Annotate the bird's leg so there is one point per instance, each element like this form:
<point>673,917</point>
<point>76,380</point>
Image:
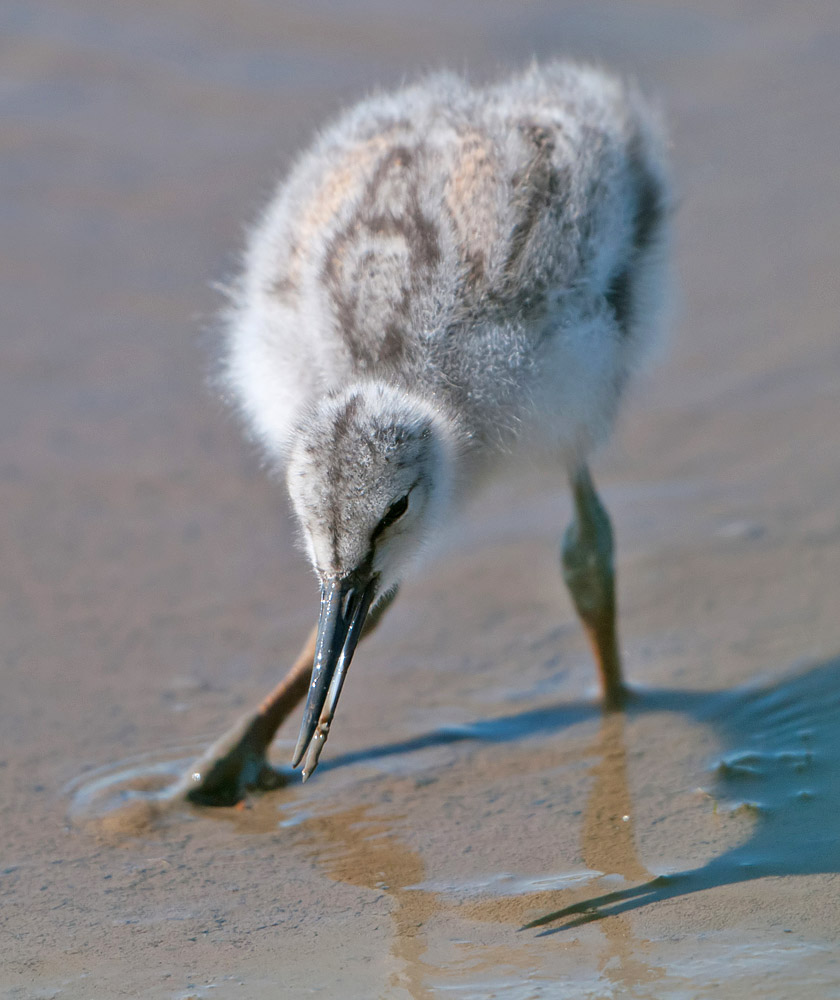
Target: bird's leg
<point>238,761</point>
<point>587,556</point>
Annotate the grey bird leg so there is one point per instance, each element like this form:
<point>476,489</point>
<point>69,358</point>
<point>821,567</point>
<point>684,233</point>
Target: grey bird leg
<point>238,762</point>
<point>587,556</point>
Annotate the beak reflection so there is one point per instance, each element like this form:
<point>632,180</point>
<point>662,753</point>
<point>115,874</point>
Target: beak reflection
<point>345,602</point>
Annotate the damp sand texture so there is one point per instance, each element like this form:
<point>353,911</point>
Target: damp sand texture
<point>151,587</point>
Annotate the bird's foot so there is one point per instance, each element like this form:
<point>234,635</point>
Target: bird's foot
<point>618,697</point>
<point>224,779</point>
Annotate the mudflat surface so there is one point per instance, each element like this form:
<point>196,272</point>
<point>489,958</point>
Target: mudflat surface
<point>151,591</point>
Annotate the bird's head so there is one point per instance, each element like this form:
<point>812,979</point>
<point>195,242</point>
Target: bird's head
<point>368,475</point>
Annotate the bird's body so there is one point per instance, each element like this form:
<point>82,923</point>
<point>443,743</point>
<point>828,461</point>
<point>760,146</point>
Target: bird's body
<point>449,276</point>
<point>496,252</point>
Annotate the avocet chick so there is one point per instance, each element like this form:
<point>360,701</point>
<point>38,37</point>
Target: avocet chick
<point>450,275</point>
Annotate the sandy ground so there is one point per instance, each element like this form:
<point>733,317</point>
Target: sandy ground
<point>151,590</point>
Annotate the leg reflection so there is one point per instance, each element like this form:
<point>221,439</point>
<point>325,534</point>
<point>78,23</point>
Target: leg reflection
<point>608,841</point>
<point>359,848</point>
<point>608,844</point>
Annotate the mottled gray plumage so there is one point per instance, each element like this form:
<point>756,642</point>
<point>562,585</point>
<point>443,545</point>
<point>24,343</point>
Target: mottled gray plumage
<point>447,276</point>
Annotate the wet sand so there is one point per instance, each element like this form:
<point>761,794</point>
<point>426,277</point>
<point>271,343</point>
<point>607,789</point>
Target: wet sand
<point>151,590</point>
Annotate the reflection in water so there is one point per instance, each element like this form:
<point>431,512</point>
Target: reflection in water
<point>607,840</point>
<point>782,768</point>
<point>608,845</point>
<point>779,762</point>
<point>359,848</point>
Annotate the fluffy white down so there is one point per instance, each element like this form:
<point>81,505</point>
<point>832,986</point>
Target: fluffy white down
<point>491,261</point>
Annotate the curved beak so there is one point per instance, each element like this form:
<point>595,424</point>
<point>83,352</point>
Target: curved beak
<point>345,602</point>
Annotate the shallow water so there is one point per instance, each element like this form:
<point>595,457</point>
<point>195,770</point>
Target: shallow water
<point>766,758</point>
<point>151,591</point>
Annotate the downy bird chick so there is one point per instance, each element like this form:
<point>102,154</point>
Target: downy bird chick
<point>449,276</point>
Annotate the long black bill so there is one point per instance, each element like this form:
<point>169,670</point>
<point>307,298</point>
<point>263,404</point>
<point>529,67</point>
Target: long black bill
<point>345,602</point>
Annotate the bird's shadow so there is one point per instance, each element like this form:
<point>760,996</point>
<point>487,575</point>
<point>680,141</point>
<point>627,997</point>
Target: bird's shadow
<point>504,729</point>
<point>779,758</point>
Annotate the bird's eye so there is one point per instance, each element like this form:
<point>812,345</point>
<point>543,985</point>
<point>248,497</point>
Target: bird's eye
<point>392,514</point>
